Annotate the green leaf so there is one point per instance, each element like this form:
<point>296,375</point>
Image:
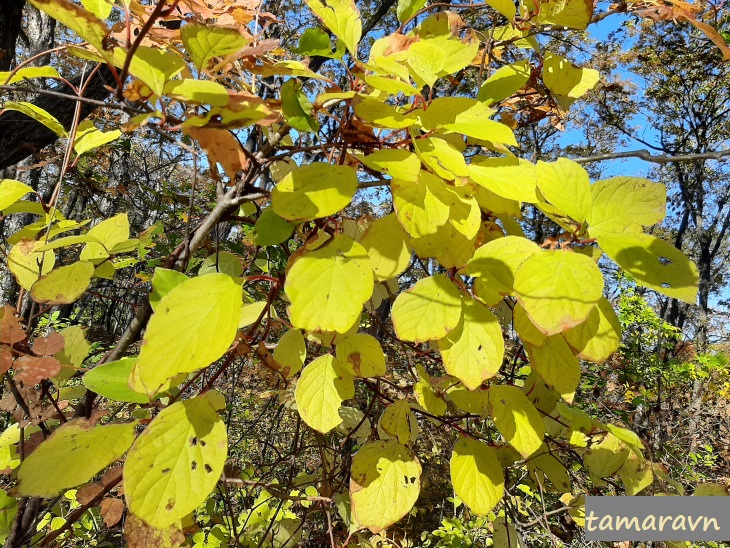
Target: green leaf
<point>421,207</point>
<point>427,311</point>
<point>163,281</point>
<point>176,462</point>
<point>399,422</point>
<point>28,264</point>
<point>321,389</point>
<point>473,351</point>
<point>361,355</point>
<point>507,177</point>
<point>63,285</point>
<point>566,185</point>
<point>270,229</point>
<point>72,455</point>
<point>224,262</point>
<point>408,8</point>
<point>8,510</point>
<point>506,80</point>
<point>314,191</point>
<point>398,163</point>
<point>204,42</point>
<point>78,20</point>
<point>328,286</point>
<point>290,352</point>
<point>566,81</point>
<point>654,263</point>
<point>385,481</point>
<point>637,474</point>
<point>297,108</point>
<point>556,365</point>
<point>342,18</point>
<point>496,262</point>
<point>380,114</point>
<point>516,418</point>
<point>387,246</point>
<point>11,191</point>
<point>625,204</point>
<point>467,117</point>
<point>476,475</point>
<point>109,232</point>
<point>75,349</point>
<point>193,325</point>
<point>28,73</point>
<point>155,67</point>
<point>110,380</point>
<point>558,289</point>
<point>599,336</point>
<point>38,114</point>
<point>314,42</point>
<point>202,92</point>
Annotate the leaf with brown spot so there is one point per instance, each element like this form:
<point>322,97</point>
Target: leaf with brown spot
<point>10,330</point>
<point>86,494</point>
<point>112,511</point>
<point>141,535</point>
<point>30,370</point>
<point>49,345</point>
<point>222,147</point>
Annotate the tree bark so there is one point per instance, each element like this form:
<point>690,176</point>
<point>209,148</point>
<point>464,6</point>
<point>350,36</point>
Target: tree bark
<point>11,16</point>
<point>21,136</point>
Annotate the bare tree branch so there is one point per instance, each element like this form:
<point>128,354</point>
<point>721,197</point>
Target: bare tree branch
<point>719,155</point>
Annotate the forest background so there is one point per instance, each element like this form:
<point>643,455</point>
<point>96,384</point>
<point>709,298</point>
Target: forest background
<point>332,274</point>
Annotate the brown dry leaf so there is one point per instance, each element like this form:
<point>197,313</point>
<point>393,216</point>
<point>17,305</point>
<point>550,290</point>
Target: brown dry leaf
<point>86,494</point>
<point>6,359</point>
<point>31,371</point>
<point>112,511</point>
<point>10,330</point>
<point>141,535</point>
<point>31,443</point>
<point>222,147</point>
<point>112,476</point>
<point>49,345</point>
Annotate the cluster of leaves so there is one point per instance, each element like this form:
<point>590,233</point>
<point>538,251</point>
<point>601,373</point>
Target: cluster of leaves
<point>450,257</point>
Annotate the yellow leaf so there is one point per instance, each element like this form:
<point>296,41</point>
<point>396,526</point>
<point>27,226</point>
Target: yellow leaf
<point>476,475</point>
<point>63,285</point>
<point>79,20</point>
<point>599,336</point>
<point>24,261</point>
<point>565,80</point>
<point>473,351</point>
<point>516,418</point>
<point>313,191</point>
<point>193,325</point>
<point>507,177</point>
<point>558,289</point>
<point>421,207</point>
<point>328,286</point>
<point>290,352</point>
<point>342,18</point>
<point>361,355</point>
<point>385,481</point>
<point>496,262</point>
<point>204,42</point>
<point>399,422</point>
<point>556,365</point>
<point>427,311</point>
<point>321,389</point>
<point>387,245</point>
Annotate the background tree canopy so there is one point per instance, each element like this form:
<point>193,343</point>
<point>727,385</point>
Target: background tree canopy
<point>348,274</point>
